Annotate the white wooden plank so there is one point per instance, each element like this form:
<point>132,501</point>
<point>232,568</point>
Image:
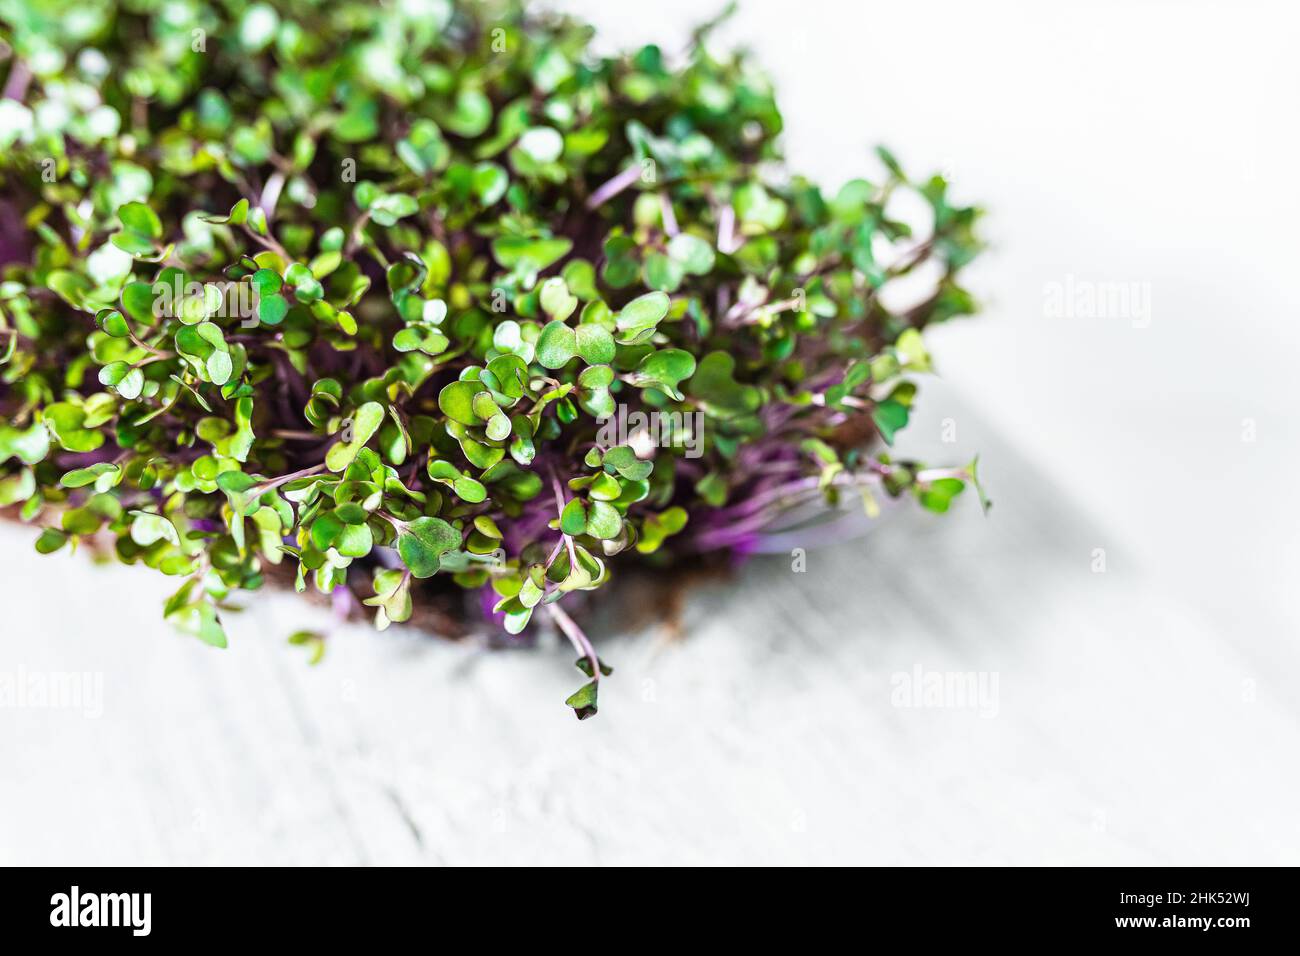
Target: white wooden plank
<point>1122,732</point>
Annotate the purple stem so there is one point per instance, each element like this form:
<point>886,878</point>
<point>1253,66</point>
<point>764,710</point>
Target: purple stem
<point>581,643</point>
<point>614,186</point>
<point>20,76</point>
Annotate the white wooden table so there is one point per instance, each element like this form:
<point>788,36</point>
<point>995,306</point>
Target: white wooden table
<point>1122,730</point>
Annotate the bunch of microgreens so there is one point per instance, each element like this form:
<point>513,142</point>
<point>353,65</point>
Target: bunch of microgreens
<point>348,287</point>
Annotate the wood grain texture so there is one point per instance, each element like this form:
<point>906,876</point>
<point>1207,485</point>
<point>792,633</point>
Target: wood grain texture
<point>1123,731</point>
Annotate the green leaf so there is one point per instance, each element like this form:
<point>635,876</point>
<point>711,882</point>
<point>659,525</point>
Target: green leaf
<point>267,282</point>
<point>758,208</point>
<point>973,471</point>
<point>123,379</point>
<point>603,521</point>
<point>663,273</point>
<point>80,477</point>
<point>387,209</point>
<point>556,299</point>
<point>890,162</point>
<point>21,487</point>
<point>583,701</point>
<point>149,528</point>
<point>480,455</point>
<point>423,542</point>
<point>890,417</point>
<point>664,370</point>
<point>694,255</point>
<point>605,487</point>
<point>235,482</point>
<point>50,541</point>
<point>498,427</point>
<point>325,530</point>
<point>573,519</point>
<point>556,345</point>
<point>72,287</point>
<point>657,527</point>
<point>584,664</point>
<point>542,144</point>
<point>271,309</point>
<point>140,219</point>
<point>537,254</point>
<point>424,150</point>
<point>490,183</point>
<point>623,460</point>
<point>911,351</point>
<point>365,423</point>
<point>355,541</point>
<point>138,301</point>
<point>938,494</point>
<point>621,262</point>
<point>237,217</point>
<point>29,445</point>
<point>638,319</point>
<point>200,620</point>
<point>472,114</point>
<point>112,322</point>
<point>392,597</point>
<point>715,389</point>
<point>408,339</point>
<point>511,374</point>
<point>219,368</point>
<point>66,422</point>
<point>469,490</point>
<point>594,344</point>
<point>457,402</point>
<point>310,639</point>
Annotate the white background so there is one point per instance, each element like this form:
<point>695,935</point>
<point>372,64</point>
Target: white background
<point>1147,715</point>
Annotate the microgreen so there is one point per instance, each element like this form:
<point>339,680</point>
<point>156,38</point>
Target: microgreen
<point>424,251</point>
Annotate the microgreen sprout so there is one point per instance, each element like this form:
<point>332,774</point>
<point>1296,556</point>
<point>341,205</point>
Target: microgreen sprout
<point>347,292</point>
